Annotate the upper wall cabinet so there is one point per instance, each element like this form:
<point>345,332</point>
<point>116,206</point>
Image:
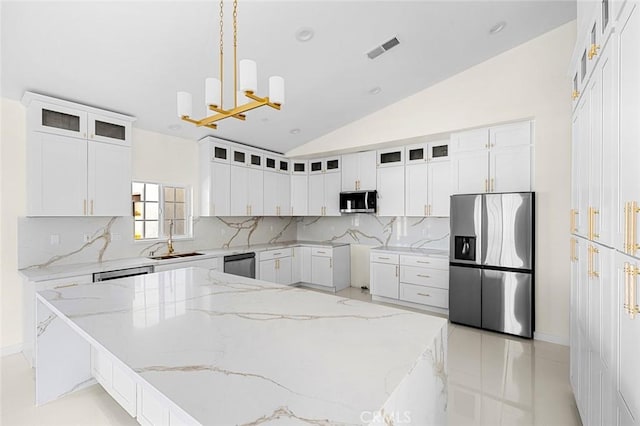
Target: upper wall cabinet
<point>215,177</point>
<point>390,157</point>
<point>359,171</point>
<point>495,159</point>
<point>78,159</point>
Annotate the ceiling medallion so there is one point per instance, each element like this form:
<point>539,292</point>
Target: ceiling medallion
<point>248,87</point>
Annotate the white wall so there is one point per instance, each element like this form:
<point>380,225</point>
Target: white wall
<point>529,81</point>
<point>12,169</point>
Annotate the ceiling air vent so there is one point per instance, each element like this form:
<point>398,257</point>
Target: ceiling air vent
<point>379,50</point>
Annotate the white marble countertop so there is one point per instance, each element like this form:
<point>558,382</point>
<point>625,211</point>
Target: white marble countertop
<point>72,270</point>
<point>413,251</point>
<point>232,350</point>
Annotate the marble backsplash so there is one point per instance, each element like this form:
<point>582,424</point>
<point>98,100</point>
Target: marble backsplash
<point>48,241</point>
<point>66,240</point>
<point>366,229</point>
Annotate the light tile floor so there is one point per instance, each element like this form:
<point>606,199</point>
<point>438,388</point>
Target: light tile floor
<point>493,380</point>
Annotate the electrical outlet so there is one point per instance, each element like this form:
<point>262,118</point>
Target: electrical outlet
<point>86,238</point>
<point>54,239</point>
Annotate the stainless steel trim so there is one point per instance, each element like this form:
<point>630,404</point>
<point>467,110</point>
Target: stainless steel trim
<point>121,273</point>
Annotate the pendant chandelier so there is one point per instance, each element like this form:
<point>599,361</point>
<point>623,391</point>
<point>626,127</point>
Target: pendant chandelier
<point>244,99</point>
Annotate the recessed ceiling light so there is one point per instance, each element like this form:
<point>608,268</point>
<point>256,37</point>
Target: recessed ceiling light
<point>175,127</point>
<point>294,131</point>
<point>375,90</point>
<point>304,34</point>
<point>497,28</point>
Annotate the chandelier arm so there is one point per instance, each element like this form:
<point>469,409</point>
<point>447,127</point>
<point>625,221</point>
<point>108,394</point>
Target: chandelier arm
<point>231,113</point>
<point>235,53</point>
<point>221,52</point>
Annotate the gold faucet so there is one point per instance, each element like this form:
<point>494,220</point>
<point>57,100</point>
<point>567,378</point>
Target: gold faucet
<point>170,240</point>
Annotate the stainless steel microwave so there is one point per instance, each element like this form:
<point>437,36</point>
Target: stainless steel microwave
<point>358,202</point>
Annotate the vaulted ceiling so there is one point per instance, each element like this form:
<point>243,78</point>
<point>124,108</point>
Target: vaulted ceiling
<point>132,57</point>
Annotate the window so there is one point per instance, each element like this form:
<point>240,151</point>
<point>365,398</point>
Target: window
<point>155,206</point>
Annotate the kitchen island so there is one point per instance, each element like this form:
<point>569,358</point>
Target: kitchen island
<point>192,346</point>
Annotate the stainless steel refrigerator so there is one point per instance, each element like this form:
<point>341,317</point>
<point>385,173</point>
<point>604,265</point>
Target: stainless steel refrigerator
<point>491,270</point>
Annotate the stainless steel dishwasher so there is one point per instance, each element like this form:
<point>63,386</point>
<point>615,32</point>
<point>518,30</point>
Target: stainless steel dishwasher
<point>121,273</point>
<point>241,264</point>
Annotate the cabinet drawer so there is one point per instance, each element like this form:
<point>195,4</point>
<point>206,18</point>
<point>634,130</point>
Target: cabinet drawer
<point>424,295</point>
<point>425,262</point>
<point>275,254</point>
<point>325,252</point>
<point>384,258</point>
<point>424,276</point>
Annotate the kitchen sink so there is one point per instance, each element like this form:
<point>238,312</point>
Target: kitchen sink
<point>175,255</point>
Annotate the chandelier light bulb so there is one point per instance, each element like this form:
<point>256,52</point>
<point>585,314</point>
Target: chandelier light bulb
<point>248,76</point>
<point>213,92</point>
<point>276,90</point>
<point>185,103</point>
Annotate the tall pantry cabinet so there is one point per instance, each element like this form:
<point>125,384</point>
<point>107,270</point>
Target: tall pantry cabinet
<point>605,204</point>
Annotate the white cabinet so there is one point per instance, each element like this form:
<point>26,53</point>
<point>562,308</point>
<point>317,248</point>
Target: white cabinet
<point>299,188</point>
<point>427,189</point>
<point>627,316</point>
<point>391,191</point>
<point>301,265</point>
<point>246,191</point>
<point>215,177</point>
<point>414,280</point>
<point>70,172</point>
<point>385,275</point>
<point>118,382</point>
<point>324,188</point>
<point>276,266</point>
<point>330,268</point>
<point>497,159</point>
<point>628,30</point>
<point>390,157</point>
<point>359,171</point>
<point>277,194</point>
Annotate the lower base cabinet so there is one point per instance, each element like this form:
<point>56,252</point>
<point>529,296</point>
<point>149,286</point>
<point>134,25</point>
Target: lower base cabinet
<point>275,266</point>
<point>115,380</point>
<point>410,279</point>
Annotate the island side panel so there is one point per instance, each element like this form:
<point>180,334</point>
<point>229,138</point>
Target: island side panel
<point>422,396</point>
<point>63,357</point>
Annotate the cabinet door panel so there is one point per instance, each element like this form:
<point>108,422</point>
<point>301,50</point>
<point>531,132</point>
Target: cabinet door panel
<point>59,120</point>
<point>285,271</point>
<point>510,169</point>
<point>57,175</point>
<point>439,188</point>
<point>109,179</point>
<point>472,140</point>
<point>284,199</point>
<point>299,195</point>
<point>316,194</point>
<point>255,197</point>
<point>332,194</point>
<point>271,193</point>
<point>305,252</point>
<point>469,171</point>
<point>391,191</point>
<point>367,170</point>
<point>416,198</point>
<point>629,130</point>
<point>238,198</point>
<point>109,130</point>
<point>220,188</point>
<point>510,135</point>
<point>268,270</point>
<point>321,271</point>
<point>350,171</point>
<point>385,280</point>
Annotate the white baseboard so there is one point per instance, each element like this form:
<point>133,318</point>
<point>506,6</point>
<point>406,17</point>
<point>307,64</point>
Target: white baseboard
<point>10,350</point>
<point>551,338</point>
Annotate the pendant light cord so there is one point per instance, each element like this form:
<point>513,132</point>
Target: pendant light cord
<point>221,52</point>
<point>235,52</point>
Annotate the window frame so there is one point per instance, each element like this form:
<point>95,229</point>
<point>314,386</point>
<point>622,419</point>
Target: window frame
<point>188,216</point>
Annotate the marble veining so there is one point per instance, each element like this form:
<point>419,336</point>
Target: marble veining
<point>272,354</point>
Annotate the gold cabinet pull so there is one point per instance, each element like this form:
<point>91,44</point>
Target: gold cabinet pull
<point>423,276</point>
<point>594,235</point>
<point>486,185</point>
<point>572,250</point>
<point>575,95</point>
<point>630,221</point>
<point>594,273</point>
<point>593,51</point>
<point>424,294</point>
<point>491,187</point>
<point>626,288</point>
<point>572,220</point>
<point>91,203</point>
<point>630,305</point>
